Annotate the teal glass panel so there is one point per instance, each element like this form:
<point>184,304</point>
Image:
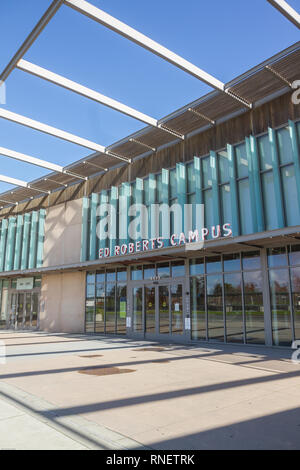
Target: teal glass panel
<point>190,177</point>
<point>207,172</point>
<point>265,152</point>
<point>223,167</point>
<point>292,212</point>
<point>159,194</point>
<point>146,191</point>
<point>245,207</point>
<point>241,160</point>
<point>284,143</point>
<point>173,184</point>
<point>191,199</point>
<point>226,212</point>
<point>271,220</point>
<point>208,208</point>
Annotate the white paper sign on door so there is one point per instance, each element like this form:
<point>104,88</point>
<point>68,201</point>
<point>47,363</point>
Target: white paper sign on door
<point>187,323</point>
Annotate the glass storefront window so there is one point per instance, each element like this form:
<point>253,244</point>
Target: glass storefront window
<point>37,282</point>
<point>280,305</point>
<point>100,277</point>
<point>90,278</point>
<point>122,274</point>
<point>110,275</point>
<point>295,281</point>
<point>163,270</point>
<point>149,271</point>
<point>173,184</point>
<point>213,264</point>
<point>198,315</point>
<point>178,268</point>
<point>234,308</point>
<point>137,309</point>
<point>110,313</point>
<point>215,307</point>
<point>277,257</point>
<point>121,308</point>
<point>254,310</point>
<point>251,260</point>
<point>196,266</point>
<point>90,291</point>
<point>232,262</point>
<point>294,254</point>
<point>137,273</point>
<point>100,308</point>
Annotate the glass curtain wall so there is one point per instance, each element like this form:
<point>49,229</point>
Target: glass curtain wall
<point>106,302</point>
<point>226,298</point>
<point>284,278</point>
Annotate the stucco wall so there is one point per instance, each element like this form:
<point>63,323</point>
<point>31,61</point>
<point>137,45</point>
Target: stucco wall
<point>63,234</point>
<point>63,302</point>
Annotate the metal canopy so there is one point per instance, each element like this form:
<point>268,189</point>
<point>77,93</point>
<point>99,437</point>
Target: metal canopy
<point>269,79</point>
<point>287,11</point>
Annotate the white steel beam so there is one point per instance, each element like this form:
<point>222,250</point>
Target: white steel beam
<point>285,9</point>
<point>20,183</point>
<point>55,5</point>
<point>133,35</point>
<point>14,181</point>
<point>84,91</point>
<point>24,121</point>
<point>32,160</point>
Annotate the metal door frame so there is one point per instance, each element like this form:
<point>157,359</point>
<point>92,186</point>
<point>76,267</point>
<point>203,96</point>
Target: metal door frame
<point>15,322</point>
<point>157,336</point>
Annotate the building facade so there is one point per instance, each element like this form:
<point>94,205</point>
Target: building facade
<point>238,282</point>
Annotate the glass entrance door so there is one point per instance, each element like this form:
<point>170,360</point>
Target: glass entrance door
<point>24,310</point>
<point>157,310</point>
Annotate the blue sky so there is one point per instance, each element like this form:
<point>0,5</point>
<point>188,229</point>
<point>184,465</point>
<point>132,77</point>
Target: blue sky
<point>225,38</point>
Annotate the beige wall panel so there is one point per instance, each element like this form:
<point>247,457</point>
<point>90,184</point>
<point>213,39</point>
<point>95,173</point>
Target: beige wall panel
<point>63,234</point>
<point>63,303</point>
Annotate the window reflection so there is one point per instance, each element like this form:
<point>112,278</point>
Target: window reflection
<point>280,305</point>
<point>254,310</point>
<point>215,307</point>
<point>234,308</point>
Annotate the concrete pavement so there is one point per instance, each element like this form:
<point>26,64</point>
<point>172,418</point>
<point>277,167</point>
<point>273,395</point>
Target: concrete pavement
<point>85,392</point>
